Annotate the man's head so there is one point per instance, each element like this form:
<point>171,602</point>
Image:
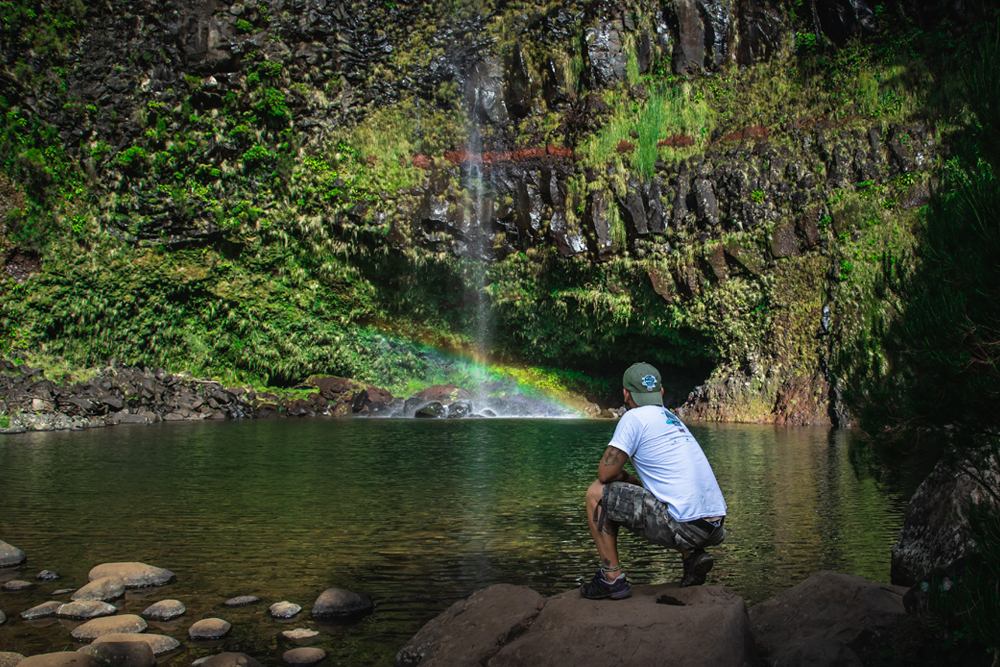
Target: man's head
<point>642,382</point>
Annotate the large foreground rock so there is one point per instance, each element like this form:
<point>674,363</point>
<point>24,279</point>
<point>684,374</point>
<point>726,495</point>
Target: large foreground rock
<point>9,659</point>
<point>64,659</point>
<point>10,555</point>
<point>507,625</point>
<point>123,654</point>
<point>159,643</point>
<point>935,532</point>
<point>134,575</point>
<point>828,619</point>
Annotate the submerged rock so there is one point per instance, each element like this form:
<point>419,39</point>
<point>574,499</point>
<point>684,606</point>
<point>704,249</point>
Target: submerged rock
<point>85,609</point>
<point>337,602</point>
<point>10,555</point>
<point>159,643</point>
<point>303,656</point>
<point>62,591</point>
<point>241,601</point>
<point>46,575</point>
<point>15,585</point>
<point>133,575</point>
<point>109,625</point>
<point>164,610</point>
<point>41,610</point>
<point>209,628</point>
<point>284,609</point>
<point>3,618</point>
<point>122,654</point>
<point>105,588</point>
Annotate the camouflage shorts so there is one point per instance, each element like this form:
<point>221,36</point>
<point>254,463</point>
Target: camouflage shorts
<point>645,515</point>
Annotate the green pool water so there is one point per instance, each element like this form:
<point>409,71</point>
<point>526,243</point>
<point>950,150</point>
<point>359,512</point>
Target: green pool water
<point>417,514</point>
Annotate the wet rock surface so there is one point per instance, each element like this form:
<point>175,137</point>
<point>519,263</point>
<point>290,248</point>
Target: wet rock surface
<point>41,610</point>
<point>86,609</point>
<point>164,610</point>
<point>10,659</point>
<point>10,555</point>
<point>284,609</point>
<point>158,643</point>
<point>299,634</point>
<point>109,625</point>
<point>132,575</point>
<point>63,659</point>
<point>339,603</point>
<point>122,654</point>
<point>241,601</point>
<point>230,660</point>
<point>303,656</point>
<point>46,575</point>
<point>16,585</point>
<point>101,589</point>
<point>209,628</point>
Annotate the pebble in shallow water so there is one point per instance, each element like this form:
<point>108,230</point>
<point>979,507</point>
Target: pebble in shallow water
<point>86,609</point>
<point>164,610</point>
<point>15,585</point>
<point>109,625</point>
<point>10,555</point>
<point>338,603</point>
<point>284,609</point>
<point>41,610</point>
<point>46,575</point>
<point>209,628</point>
<point>241,601</point>
<point>122,654</point>
<point>105,588</point>
<point>303,656</point>
<point>134,575</point>
<point>62,591</point>
<point>299,634</point>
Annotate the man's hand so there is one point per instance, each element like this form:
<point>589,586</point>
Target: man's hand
<point>612,468</point>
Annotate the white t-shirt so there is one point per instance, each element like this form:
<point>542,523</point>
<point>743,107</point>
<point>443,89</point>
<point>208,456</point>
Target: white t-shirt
<point>670,463</point>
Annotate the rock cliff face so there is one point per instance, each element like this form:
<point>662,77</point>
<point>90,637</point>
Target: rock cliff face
<point>707,218</point>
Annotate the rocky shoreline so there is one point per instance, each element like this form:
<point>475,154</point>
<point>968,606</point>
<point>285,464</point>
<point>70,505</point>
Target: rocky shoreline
<point>120,394</point>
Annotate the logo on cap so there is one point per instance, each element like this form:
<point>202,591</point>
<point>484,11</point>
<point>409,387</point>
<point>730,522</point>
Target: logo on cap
<point>649,382</point>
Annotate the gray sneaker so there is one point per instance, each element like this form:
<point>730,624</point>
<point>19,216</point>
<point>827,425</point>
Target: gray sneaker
<point>696,566</point>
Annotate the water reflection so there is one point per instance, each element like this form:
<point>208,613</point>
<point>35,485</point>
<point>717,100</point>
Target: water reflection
<point>415,513</point>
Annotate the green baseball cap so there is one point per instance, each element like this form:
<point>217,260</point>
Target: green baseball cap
<point>643,383</point>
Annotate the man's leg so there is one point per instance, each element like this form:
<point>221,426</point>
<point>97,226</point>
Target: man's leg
<point>603,530</point>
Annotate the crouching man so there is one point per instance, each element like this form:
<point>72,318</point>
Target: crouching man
<point>676,504</point>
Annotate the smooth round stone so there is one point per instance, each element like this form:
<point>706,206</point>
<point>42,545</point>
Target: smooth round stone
<point>241,601</point>
<point>122,654</point>
<point>41,610</point>
<point>62,591</point>
<point>159,643</point>
<point>105,588</point>
<point>337,603</point>
<point>86,609</point>
<point>62,659</point>
<point>164,610</point>
<point>299,634</point>
<point>134,575</point>
<point>109,625</point>
<point>209,628</point>
<point>10,555</point>
<point>15,585</point>
<point>46,575</point>
<point>227,660</point>
<point>284,609</point>
<point>303,656</point>
<point>9,659</point>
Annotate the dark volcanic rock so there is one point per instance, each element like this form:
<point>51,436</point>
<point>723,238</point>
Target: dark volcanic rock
<point>935,533</point>
<point>432,410</point>
<point>337,602</point>
<point>828,614</point>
